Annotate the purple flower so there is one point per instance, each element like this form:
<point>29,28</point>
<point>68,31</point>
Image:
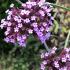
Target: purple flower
<point>16,29</point>
<point>33,18</point>
<point>30,18</point>
<point>38,1</point>
<point>22,43</point>
<point>7,39</point>
<point>53,61</point>
<point>42,13</point>
<point>26,20</point>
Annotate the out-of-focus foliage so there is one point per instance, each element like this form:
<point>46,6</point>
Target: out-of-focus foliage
<point>19,58</point>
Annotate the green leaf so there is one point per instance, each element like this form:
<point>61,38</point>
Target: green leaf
<point>56,26</point>
<point>59,6</point>
<point>64,29</point>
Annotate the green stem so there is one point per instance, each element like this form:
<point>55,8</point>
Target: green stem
<point>59,6</point>
<point>46,46</point>
<point>67,40</point>
<point>57,2</point>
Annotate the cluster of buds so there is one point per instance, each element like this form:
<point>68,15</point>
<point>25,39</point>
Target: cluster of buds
<point>54,61</point>
<point>30,18</point>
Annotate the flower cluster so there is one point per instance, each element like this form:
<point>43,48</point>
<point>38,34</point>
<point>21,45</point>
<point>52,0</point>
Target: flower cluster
<point>40,2</point>
<point>30,18</point>
<point>53,62</point>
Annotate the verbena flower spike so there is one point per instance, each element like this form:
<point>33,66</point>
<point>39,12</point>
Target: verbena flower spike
<point>30,18</point>
<point>53,62</point>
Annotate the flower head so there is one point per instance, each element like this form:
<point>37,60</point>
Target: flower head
<point>30,18</point>
<point>53,61</point>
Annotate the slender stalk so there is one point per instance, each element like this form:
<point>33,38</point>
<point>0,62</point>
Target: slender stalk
<point>57,2</point>
<point>67,40</point>
<point>59,6</point>
<point>46,46</point>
